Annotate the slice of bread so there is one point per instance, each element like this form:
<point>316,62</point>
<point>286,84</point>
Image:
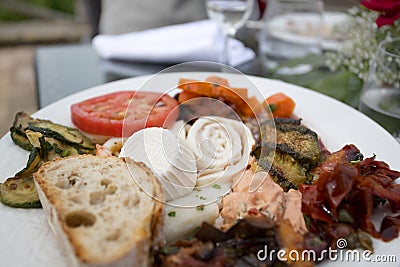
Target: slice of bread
<point>101,209</point>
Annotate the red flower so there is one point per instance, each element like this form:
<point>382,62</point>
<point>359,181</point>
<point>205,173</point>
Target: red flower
<point>390,10</point>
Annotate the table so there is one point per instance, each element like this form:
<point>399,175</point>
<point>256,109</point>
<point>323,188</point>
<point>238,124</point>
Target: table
<point>62,70</point>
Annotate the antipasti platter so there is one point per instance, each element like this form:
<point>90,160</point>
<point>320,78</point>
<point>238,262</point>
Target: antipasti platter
<point>27,239</point>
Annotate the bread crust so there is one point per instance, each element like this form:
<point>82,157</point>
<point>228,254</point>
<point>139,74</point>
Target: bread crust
<point>102,210</point>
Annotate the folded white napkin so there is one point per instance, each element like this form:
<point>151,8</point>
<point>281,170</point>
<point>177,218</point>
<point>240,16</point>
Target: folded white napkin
<point>200,40</point>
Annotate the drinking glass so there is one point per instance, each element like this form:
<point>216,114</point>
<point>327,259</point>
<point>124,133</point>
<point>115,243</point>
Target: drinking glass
<point>380,95</point>
<point>292,29</point>
<point>230,15</point>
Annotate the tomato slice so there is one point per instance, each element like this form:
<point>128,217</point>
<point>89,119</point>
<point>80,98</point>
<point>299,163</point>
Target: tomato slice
<point>123,113</point>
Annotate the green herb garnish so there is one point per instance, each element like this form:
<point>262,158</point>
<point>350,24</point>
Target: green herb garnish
<point>171,214</point>
<point>272,107</point>
<point>200,208</point>
<point>216,186</point>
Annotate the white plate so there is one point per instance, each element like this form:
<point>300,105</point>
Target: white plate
<point>26,239</point>
<point>297,28</point>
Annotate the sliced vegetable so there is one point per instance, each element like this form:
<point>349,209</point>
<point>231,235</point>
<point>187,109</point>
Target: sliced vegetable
<point>219,88</point>
<point>56,149</point>
<point>17,130</point>
<point>285,170</point>
<point>33,138</point>
<point>218,80</point>
<point>21,121</point>
<point>287,121</point>
<point>34,162</point>
<point>46,141</point>
<point>297,152</point>
<point>186,95</point>
<point>281,105</point>
<point>19,192</point>
<point>300,142</point>
<point>63,133</point>
<point>200,87</point>
<point>51,148</point>
<point>255,105</point>
<point>21,140</point>
<point>123,113</point>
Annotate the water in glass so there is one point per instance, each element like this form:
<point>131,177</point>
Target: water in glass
<point>230,15</point>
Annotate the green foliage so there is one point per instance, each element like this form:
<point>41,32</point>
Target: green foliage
<point>341,84</point>
<point>67,6</point>
<point>8,15</point>
<point>362,38</point>
<point>60,5</point>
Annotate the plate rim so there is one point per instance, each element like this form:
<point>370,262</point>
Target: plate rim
<point>111,86</point>
<point>328,19</point>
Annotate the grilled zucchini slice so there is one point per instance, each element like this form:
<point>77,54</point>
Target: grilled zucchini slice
<point>17,130</point>
<point>33,164</point>
<point>46,141</point>
<point>285,170</point>
<point>19,192</point>
<point>21,140</point>
<point>51,148</point>
<point>56,149</point>
<point>296,140</point>
<point>296,152</point>
<point>63,133</point>
<point>70,136</point>
<point>300,142</point>
<point>20,123</point>
<point>287,121</point>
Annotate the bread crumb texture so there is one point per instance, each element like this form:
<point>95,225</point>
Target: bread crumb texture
<point>100,206</point>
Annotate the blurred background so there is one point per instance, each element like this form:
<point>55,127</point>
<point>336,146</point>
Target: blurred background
<point>26,25</point>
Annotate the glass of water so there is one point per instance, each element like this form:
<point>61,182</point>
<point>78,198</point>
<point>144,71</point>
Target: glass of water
<point>230,15</point>
<point>292,29</point>
<point>380,95</point>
